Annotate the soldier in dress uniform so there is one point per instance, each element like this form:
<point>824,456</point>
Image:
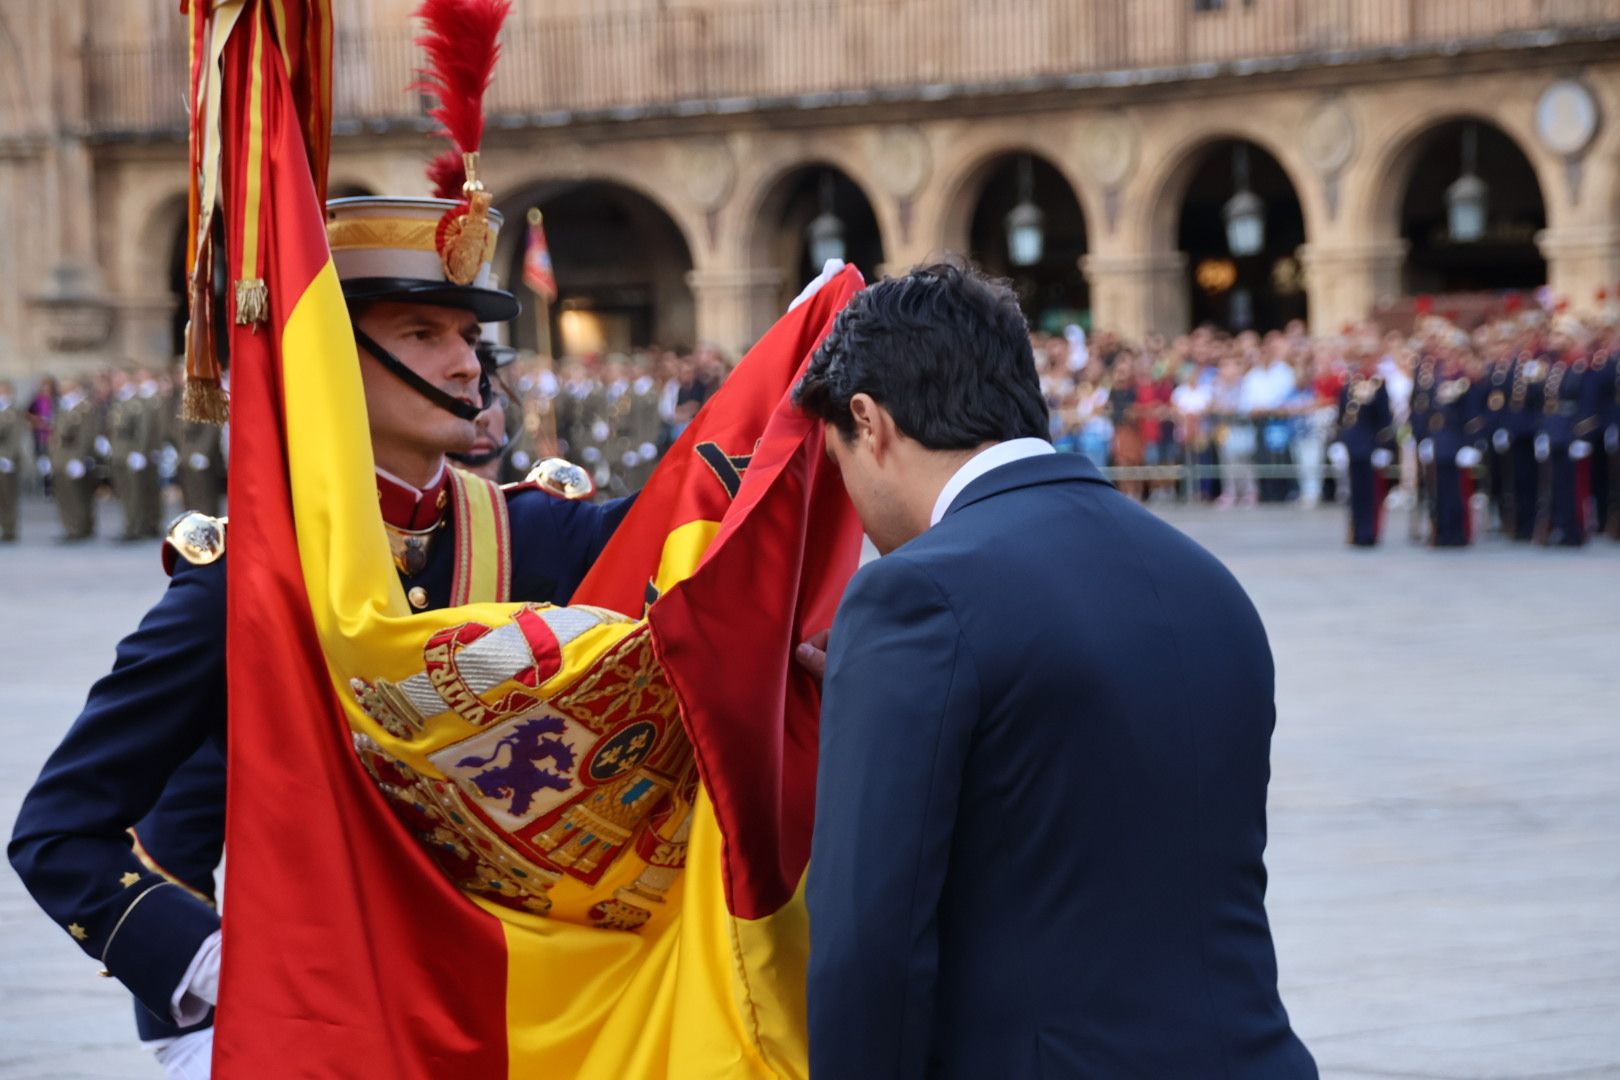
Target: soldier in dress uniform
<point>201,466</point>
<point>1559,453</point>
<point>1600,427</point>
<point>73,458</point>
<point>1419,411</point>
<point>644,426</point>
<point>147,480</point>
<point>127,420</point>
<point>1447,454</point>
<point>1520,425</point>
<point>1492,437</point>
<point>1366,434</point>
<point>147,751</point>
<point>13,423</point>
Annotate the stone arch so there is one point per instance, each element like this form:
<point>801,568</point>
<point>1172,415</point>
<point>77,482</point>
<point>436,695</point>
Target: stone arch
<point>1158,221</point>
<point>766,201</point>
<point>619,256</point>
<point>967,224</point>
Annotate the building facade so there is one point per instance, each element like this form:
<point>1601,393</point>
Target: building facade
<point>683,150</point>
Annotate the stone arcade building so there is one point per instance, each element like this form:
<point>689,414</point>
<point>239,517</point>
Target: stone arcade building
<point>682,150</point>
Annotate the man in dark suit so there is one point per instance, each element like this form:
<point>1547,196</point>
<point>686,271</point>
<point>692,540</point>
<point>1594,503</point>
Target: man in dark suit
<point>1040,811</point>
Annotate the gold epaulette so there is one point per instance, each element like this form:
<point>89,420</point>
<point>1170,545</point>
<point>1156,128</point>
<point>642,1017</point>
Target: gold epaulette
<point>564,479</point>
<point>197,538</point>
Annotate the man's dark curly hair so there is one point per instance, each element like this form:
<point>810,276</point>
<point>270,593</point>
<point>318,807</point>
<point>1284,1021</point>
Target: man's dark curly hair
<point>945,349</point>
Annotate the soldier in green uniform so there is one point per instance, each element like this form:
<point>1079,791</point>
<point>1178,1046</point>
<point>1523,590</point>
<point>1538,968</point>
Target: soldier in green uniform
<point>126,428</point>
<point>13,422</point>
<point>201,466</point>
<point>145,480</point>
<point>72,454</point>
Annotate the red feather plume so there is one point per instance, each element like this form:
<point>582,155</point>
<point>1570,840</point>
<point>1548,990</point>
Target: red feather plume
<point>461,46</point>
<point>446,173</point>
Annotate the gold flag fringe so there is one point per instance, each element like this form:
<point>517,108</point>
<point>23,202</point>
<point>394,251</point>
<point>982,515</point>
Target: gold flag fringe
<point>252,302</point>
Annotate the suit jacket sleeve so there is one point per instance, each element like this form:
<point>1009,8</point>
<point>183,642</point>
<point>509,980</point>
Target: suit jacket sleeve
<point>901,700</point>
<point>163,698</point>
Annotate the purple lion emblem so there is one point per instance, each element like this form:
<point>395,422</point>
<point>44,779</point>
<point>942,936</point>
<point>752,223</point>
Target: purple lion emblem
<point>522,776</point>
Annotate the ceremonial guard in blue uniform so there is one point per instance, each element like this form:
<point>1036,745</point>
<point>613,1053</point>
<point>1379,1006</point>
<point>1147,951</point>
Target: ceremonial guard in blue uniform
<point>1560,453</point>
<point>119,837</point>
<point>1366,436</point>
<point>1492,438</point>
<point>1447,456</point>
<point>1520,425</point>
<point>1600,427</point>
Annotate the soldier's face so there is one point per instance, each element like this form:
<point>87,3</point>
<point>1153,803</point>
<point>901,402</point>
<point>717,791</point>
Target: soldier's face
<point>409,433</point>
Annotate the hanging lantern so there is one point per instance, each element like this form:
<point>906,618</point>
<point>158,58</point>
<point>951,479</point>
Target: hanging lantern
<point>1466,197</point>
<point>826,231</point>
<point>1026,225</point>
<point>1245,214</point>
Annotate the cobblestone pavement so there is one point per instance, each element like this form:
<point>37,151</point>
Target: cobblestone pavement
<point>1445,802</point>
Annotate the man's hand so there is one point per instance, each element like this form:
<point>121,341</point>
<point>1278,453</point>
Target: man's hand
<point>812,654</point>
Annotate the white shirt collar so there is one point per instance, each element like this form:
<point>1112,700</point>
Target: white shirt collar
<point>991,457</point>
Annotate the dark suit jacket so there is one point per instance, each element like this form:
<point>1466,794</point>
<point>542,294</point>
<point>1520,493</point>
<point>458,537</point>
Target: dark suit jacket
<point>1041,804</point>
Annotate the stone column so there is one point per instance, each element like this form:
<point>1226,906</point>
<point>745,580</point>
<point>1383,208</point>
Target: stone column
<point>1135,295</point>
<point>735,306</point>
<point>1580,262</point>
<point>1345,282</point>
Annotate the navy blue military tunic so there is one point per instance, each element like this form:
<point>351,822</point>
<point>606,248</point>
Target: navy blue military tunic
<point>148,752</point>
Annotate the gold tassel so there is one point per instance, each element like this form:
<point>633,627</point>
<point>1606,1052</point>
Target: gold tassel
<point>204,402</point>
<point>252,302</point>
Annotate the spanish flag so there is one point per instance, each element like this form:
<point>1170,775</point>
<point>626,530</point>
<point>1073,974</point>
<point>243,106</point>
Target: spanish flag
<point>502,839</point>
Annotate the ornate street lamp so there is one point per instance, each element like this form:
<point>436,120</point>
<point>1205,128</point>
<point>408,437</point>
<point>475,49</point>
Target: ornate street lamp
<point>1026,232</point>
<point>1466,197</point>
<point>826,231</point>
<point>1245,214</point>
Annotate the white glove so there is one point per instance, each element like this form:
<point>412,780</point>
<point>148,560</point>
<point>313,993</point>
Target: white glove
<point>136,461</point>
<point>1338,455</point>
<point>199,462</point>
<point>647,451</point>
<point>520,459</point>
<point>75,469</point>
<point>631,459</point>
<point>591,454</point>
<point>1501,441</point>
<point>1580,450</point>
<point>1468,457</point>
<point>1426,451</point>
<point>599,431</point>
<point>1382,459</point>
<point>44,466</point>
<point>7,467</point>
<point>829,270</point>
<point>189,1056</point>
<point>103,447</point>
<point>1543,448</point>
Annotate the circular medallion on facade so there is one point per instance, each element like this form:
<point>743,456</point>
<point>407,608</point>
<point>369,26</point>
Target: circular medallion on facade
<point>901,160</point>
<point>1108,149</point>
<point>708,171</point>
<point>1328,136</point>
<point>1566,117</point>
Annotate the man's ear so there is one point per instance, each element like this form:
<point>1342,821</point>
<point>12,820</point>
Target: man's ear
<point>873,425</point>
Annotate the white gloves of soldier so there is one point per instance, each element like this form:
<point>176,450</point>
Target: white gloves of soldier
<point>647,451</point>
<point>75,469</point>
<point>189,1056</point>
<point>630,459</point>
<point>1543,448</point>
<point>520,460</point>
<point>1468,457</point>
<point>103,447</point>
<point>1426,451</point>
<point>1579,450</point>
<point>1382,459</point>
<point>1338,455</point>
<point>199,462</point>
<point>1501,441</point>
<point>198,990</point>
<point>829,270</point>
<point>44,466</point>
<point>600,430</point>
<point>7,467</point>
<point>136,461</point>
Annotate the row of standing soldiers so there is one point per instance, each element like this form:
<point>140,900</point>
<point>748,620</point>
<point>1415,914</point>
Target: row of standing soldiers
<point>124,431</point>
<point>1538,429</point>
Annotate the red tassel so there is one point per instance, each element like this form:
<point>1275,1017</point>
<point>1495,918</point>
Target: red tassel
<point>461,45</point>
